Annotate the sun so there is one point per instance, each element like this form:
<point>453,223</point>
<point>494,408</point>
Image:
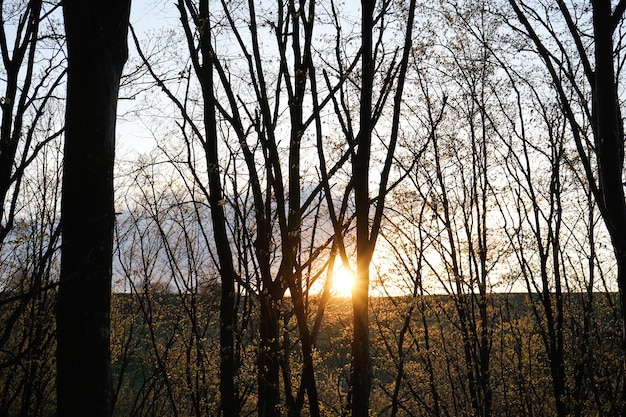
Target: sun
<point>343,281</point>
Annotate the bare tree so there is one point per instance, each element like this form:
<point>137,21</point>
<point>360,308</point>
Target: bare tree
<point>373,21</point>
<point>32,71</point>
<point>589,100</point>
<point>24,91</point>
<point>273,208</point>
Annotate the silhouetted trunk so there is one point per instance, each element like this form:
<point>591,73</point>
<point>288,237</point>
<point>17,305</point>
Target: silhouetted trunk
<point>204,68</point>
<point>97,51</point>
<point>268,360</point>
<point>360,373</point>
<point>609,141</point>
<point>395,400</point>
<point>302,63</point>
<point>308,369</point>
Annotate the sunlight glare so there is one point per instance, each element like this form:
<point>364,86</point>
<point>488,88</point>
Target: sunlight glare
<point>343,282</point>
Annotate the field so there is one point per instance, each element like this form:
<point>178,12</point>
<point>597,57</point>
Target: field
<point>426,360</point>
<point>424,363</point>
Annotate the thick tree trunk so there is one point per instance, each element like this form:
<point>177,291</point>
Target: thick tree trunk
<point>610,148</point>
<point>97,51</point>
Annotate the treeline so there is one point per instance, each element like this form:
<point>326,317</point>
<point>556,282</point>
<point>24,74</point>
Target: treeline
<point>463,160</point>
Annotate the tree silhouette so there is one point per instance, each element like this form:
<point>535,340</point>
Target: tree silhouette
<point>96,42</point>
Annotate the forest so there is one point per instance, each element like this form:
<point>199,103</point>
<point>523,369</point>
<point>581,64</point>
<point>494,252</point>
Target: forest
<point>312,208</point>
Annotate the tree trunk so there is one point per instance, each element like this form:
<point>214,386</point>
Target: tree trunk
<point>228,275</point>
<point>360,373</point>
<point>308,368</point>
<point>97,51</point>
<point>269,359</point>
<point>609,142</point>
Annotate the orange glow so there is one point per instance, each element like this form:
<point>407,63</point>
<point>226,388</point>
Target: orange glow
<point>343,281</point>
